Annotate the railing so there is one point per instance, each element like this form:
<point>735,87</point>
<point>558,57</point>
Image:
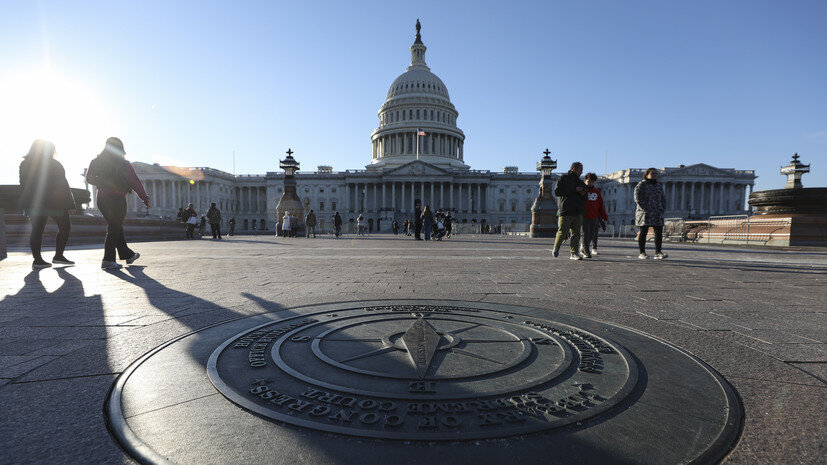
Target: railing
<point>732,229</point>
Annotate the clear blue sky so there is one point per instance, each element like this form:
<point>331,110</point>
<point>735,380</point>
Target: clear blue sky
<point>735,84</point>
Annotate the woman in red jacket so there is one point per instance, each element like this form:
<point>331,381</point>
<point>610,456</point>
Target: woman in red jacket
<point>115,178</point>
<point>595,211</point>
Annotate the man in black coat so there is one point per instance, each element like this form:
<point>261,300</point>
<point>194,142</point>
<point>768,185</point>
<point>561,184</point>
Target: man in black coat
<point>571,204</point>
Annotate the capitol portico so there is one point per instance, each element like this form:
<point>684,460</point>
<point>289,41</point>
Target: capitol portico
<point>417,158</point>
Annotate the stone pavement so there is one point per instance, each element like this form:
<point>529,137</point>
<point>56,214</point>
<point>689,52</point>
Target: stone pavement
<point>756,316</point>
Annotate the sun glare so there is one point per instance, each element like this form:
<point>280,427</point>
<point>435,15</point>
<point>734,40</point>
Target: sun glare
<point>47,106</point>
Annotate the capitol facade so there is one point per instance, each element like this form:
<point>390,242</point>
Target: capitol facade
<point>417,159</point>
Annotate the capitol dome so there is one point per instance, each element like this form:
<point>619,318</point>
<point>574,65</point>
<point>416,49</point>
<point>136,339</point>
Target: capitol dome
<point>417,101</point>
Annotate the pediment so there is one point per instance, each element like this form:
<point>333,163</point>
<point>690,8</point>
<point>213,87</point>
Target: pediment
<point>417,168</point>
<point>699,169</point>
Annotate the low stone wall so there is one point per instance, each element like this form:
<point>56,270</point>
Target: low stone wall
<point>89,230</point>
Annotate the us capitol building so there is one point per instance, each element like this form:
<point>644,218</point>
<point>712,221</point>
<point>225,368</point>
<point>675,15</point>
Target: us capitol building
<point>409,169</point>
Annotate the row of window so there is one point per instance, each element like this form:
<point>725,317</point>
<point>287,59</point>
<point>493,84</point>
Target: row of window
<point>418,85</point>
<point>420,114</point>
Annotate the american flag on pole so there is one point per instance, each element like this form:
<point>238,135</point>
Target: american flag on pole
<point>420,132</point>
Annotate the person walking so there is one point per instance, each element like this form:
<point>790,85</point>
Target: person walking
<point>294,226</point>
<point>395,227</point>
<point>595,211</point>
<point>337,224</point>
<point>360,227</point>
<point>417,223</point>
<point>286,224</point>
<point>202,225</point>
<point>232,226</point>
<point>214,216</point>
<point>45,193</point>
<point>180,215</point>
<point>449,221</point>
<point>650,205</point>
<point>190,218</point>
<point>427,222</point>
<point>310,223</point>
<point>571,200</point>
<point>115,178</point>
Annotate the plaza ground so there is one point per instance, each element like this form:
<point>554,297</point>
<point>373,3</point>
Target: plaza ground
<point>757,316</point>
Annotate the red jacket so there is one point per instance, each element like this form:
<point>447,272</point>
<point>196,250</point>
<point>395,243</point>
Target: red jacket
<point>594,205</point>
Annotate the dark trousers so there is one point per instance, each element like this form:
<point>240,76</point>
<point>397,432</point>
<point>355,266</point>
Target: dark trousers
<point>190,231</point>
<point>417,229</point>
<point>216,230</point>
<point>589,233</point>
<point>113,209</point>
<point>641,239</point>
<point>232,229</point>
<point>39,225</point>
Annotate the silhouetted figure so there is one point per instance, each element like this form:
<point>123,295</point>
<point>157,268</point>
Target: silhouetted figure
<point>337,224</point>
<point>180,215</point>
<point>395,227</point>
<point>214,216</point>
<point>427,222</point>
<point>232,226</point>
<point>45,193</point>
<point>115,178</point>
<point>310,223</point>
<point>190,218</point>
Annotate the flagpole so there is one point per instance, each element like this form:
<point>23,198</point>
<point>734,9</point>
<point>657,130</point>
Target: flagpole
<point>417,143</point>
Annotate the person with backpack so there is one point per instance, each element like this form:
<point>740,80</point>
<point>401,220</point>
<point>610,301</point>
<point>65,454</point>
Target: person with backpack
<point>214,217</point>
<point>45,193</point>
<point>115,178</point>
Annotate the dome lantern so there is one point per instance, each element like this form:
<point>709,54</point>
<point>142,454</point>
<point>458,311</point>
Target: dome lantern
<point>418,49</point>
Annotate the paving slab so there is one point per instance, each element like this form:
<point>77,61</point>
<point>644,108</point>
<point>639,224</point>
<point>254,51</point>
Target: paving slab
<point>756,316</point>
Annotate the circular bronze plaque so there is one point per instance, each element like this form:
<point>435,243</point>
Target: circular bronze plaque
<point>422,372</point>
<point>435,381</point>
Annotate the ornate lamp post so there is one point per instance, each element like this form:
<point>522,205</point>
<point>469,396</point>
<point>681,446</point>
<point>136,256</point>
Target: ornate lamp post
<point>290,201</point>
<point>794,171</point>
<point>544,210</point>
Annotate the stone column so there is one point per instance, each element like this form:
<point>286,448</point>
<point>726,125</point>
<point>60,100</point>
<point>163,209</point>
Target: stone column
<point>692,188</point>
<point>433,204</point>
<point>723,203</point>
<point>384,194</point>
<point>375,198</point>
<point>470,199</point>
<point>441,195</point>
<point>683,196</point>
<point>451,195</point>
<point>413,196</point>
<point>701,204</point>
<point>393,195</point>
<point>479,198</point>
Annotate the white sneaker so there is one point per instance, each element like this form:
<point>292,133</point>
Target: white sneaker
<point>660,256</point>
<point>575,256</point>
<point>643,256</point>
<point>594,251</point>
<point>107,265</point>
